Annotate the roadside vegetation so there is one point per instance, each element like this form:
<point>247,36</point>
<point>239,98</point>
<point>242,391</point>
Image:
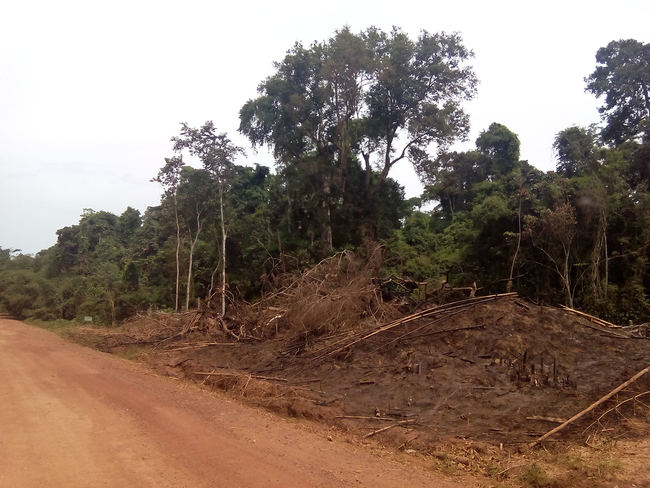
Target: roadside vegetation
<point>339,115</point>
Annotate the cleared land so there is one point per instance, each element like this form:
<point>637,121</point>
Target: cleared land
<point>71,416</point>
<point>469,384</point>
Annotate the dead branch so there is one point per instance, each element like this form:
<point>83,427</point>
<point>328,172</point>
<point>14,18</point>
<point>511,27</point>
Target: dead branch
<point>362,417</point>
<point>546,419</point>
<point>256,376</point>
<point>383,429</point>
<point>190,346</point>
<point>592,406</point>
<point>591,318</point>
<point>616,407</point>
<point>610,333</point>
<point>416,316</point>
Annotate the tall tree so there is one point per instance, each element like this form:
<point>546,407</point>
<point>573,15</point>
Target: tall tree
<point>622,75</point>
<point>553,235</point>
<point>500,148</point>
<point>216,153</point>
<point>575,148</point>
<point>374,97</point>
<point>169,178</point>
<point>195,197</point>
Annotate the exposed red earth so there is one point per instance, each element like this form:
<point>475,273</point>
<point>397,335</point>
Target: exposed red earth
<point>75,417</point>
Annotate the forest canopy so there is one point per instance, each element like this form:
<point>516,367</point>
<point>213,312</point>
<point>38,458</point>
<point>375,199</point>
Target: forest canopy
<point>339,115</point>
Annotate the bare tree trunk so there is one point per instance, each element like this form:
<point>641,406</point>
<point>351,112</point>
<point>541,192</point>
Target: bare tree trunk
<point>514,258</point>
<point>606,256</point>
<point>189,276</point>
<point>596,283</point>
<point>566,279</point>
<point>326,229</point>
<point>189,268</point>
<point>178,251</point>
<point>112,302</point>
<point>223,252</point>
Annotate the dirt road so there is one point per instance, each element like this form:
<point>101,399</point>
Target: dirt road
<point>74,417</point>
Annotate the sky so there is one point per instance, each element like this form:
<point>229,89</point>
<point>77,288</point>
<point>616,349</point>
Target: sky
<point>91,92</point>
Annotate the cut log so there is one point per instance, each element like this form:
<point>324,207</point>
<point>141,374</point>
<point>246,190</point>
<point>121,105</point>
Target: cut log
<point>546,419</point>
<point>592,406</point>
<point>401,422</point>
<point>594,319</point>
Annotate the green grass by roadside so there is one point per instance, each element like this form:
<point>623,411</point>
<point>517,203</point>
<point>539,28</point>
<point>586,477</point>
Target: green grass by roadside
<point>58,326</point>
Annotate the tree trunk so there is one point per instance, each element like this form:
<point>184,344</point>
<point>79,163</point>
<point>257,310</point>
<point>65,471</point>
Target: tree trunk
<point>111,300</point>
<point>189,268</point>
<point>178,251</point>
<point>514,258</point>
<point>326,219</point>
<point>189,276</point>
<point>606,258</point>
<point>223,252</point>
<point>566,280</point>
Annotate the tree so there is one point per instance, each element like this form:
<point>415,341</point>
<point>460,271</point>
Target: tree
<point>195,197</point>
<point>216,153</point>
<point>500,148</point>
<point>553,235</point>
<point>128,223</point>
<point>169,178</point>
<point>622,75</point>
<point>374,97</point>
<point>576,151</point>
<point>413,100</point>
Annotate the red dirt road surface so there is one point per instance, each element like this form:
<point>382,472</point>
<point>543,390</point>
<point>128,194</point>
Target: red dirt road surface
<point>74,417</point>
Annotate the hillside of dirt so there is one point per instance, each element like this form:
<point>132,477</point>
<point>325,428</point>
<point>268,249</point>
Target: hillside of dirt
<point>482,374</point>
<point>472,386</point>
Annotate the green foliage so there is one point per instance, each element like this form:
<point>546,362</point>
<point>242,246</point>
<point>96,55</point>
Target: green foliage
<point>535,477</point>
<point>500,148</point>
<point>576,152</point>
<point>622,75</point>
<point>339,115</point>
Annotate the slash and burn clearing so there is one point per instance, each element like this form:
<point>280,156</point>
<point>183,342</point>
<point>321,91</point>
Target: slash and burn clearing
<point>475,383</point>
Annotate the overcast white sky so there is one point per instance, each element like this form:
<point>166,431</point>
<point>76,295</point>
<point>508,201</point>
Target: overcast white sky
<point>91,92</point>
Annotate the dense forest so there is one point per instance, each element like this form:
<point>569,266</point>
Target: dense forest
<point>338,116</point>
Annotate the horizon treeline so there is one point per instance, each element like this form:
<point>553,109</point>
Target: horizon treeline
<point>339,115</point>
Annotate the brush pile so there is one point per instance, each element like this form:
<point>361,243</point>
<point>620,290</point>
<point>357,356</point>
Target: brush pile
<point>337,294</point>
<point>159,328</point>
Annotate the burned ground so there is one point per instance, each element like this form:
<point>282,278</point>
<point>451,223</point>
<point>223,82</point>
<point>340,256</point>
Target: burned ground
<point>473,381</point>
<point>495,372</point>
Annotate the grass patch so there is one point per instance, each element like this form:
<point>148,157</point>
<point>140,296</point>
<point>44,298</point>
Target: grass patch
<point>132,353</point>
<point>58,326</point>
<point>535,477</point>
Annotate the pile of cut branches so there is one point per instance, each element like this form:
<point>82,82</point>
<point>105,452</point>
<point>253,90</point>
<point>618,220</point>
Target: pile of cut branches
<point>336,294</point>
<point>162,328</point>
<point>335,344</point>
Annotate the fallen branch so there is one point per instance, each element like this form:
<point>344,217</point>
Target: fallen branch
<point>256,376</point>
<point>592,318</point>
<point>431,322</point>
<point>200,346</point>
<point>605,331</point>
<point>407,441</point>
<point>448,307</point>
<point>500,473</point>
<point>546,419</point>
<point>362,417</point>
<point>635,397</point>
<point>448,330</point>
<point>383,429</point>
<point>592,406</point>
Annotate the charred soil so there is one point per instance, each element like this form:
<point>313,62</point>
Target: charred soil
<point>470,384</point>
